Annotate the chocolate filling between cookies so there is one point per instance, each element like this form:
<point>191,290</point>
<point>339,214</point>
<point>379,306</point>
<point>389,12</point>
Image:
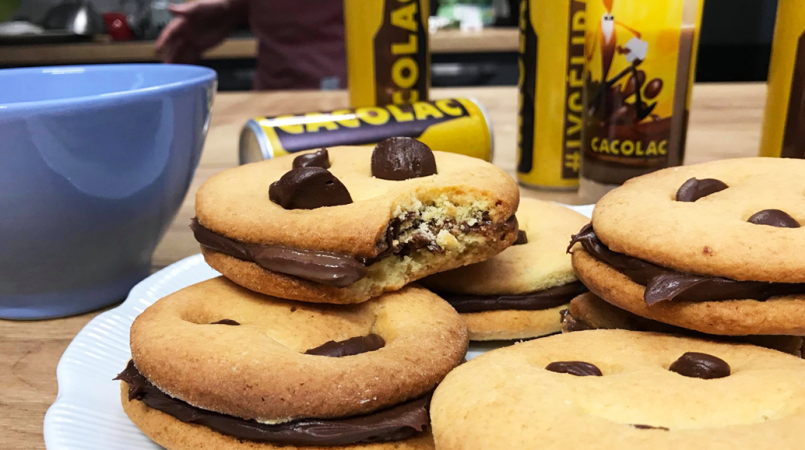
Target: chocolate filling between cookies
<point>395,423</point>
<point>534,301</point>
<point>664,284</point>
<point>404,235</point>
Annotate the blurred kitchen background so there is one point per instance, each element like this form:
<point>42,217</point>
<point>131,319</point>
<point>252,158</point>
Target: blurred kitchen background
<point>473,42</point>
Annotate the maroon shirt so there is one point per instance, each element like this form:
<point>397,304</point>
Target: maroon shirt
<point>300,44</point>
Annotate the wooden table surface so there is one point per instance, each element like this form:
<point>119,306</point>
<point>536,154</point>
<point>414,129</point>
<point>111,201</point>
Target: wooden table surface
<point>102,50</point>
<point>725,123</point>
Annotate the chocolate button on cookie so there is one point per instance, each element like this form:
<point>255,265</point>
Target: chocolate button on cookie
<point>518,293</point>
<point>714,247</point>
<point>348,224</point>
<point>630,390</point>
<point>218,366</point>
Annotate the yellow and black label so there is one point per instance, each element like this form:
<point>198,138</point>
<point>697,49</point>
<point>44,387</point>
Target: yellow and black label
<point>551,67</point>
<point>784,121</point>
<point>388,58</point>
<point>640,60</point>
<point>452,125</point>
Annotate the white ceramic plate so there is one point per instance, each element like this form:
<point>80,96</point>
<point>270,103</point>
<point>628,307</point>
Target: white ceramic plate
<point>87,414</point>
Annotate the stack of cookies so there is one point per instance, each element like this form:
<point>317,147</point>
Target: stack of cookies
<point>314,336</point>
<point>714,250</point>
<point>686,268</point>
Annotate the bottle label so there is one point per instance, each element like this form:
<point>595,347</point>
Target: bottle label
<point>639,61</point>
<point>794,135</point>
<point>401,53</point>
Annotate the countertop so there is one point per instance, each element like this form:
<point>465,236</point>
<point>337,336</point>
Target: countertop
<point>102,50</point>
<point>725,122</point>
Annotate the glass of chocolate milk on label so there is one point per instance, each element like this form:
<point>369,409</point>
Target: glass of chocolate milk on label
<point>640,64</point>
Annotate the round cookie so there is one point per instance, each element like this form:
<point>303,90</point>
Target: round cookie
<point>712,235</point>
<point>259,370</point>
<point>506,399</point>
<point>783,315</point>
<point>540,264</point>
<point>173,434</point>
<point>391,233</point>
<point>590,312</point>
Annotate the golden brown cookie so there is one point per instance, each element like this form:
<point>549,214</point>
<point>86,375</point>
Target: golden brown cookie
<point>534,267</point>
<point>173,434</point>
<point>258,369</point>
<point>648,395</point>
<point>384,234</point>
<point>780,315</point>
<point>590,312</point>
<point>712,235</point>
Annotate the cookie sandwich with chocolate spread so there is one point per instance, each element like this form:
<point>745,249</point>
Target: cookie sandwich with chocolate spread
<point>520,292</point>
<point>217,366</point>
<point>345,224</point>
<point>589,312</point>
<point>717,248</point>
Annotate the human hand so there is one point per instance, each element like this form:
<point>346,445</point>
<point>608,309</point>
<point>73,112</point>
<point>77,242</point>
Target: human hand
<point>197,26</point>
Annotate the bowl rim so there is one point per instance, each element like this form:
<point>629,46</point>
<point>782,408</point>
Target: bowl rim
<point>205,75</point>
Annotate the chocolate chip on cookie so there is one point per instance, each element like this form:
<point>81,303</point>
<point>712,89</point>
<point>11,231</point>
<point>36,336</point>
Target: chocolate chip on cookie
<point>226,322</point>
<point>774,218</point>
<point>319,158</point>
<point>402,158</point>
<point>308,188</point>
<point>649,427</point>
<point>700,365</point>
<point>694,189</point>
<point>349,347</point>
<point>522,238</point>
<point>578,368</point>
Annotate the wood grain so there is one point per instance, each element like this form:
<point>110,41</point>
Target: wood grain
<point>491,40</point>
<point>725,123</point>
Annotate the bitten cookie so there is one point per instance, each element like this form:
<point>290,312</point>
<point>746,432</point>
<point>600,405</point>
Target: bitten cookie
<point>613,389</point>
<point>518,293</point>
<point>590,312</point>
<point>349,223</point>
<point>221,365</point>
<point>716,247</point>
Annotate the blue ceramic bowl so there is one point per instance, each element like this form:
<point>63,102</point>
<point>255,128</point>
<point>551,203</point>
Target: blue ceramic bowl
<point>94,164</point>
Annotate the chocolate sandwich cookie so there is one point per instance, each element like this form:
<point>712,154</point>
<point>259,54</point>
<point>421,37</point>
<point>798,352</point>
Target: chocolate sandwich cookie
<point>715,247</point>
<point>590,312</point>
<point>615,389</point>
<point>349,223</point>
<point>217,366</point>
<point>518,293</point>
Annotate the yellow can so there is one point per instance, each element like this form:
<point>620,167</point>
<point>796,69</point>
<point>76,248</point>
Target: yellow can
<point>639,73</point>
<point>388,57</point>
<point>550,85</point>
<point>784,120</point>
<point>456,125</point>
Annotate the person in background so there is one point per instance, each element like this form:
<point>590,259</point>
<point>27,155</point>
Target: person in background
<point>300,43</point>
